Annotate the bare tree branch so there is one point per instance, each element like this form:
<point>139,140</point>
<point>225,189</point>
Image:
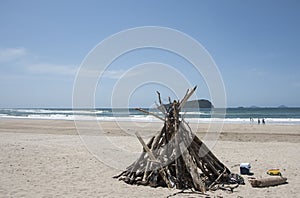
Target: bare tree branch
<point>149,113</point>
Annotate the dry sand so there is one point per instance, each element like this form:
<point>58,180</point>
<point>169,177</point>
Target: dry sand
<point>47,158</point>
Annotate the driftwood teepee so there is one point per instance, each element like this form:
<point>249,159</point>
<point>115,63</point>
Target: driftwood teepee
<point>176,157</point>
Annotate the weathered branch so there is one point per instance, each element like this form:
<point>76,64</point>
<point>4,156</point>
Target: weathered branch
<point>186,97</point>
<point>198,184</point>
<point>149,152</point>
<point>149,113</point>
<point>161,106</point>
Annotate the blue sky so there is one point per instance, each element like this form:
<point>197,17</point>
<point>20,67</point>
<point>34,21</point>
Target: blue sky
<point>255,44</point>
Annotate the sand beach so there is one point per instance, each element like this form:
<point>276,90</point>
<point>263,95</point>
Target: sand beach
<point>47,158</point>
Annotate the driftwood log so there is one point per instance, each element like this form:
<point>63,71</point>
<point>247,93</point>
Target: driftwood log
<point>269,181</point>
<point>176,157</point>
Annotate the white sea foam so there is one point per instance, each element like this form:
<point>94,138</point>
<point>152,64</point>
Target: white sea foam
<point>193,113</point>
<point>122,115</point>
<point>46,111</point>
<point>141,118</point>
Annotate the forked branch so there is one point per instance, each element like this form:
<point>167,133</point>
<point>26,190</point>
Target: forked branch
<point>188,94</point>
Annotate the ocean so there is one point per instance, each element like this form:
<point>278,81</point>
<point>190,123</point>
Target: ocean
<point>285,116</point>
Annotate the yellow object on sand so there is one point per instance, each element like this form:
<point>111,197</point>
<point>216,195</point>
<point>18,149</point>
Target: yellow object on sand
<point>273,172</point>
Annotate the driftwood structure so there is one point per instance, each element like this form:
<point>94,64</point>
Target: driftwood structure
<point>176,157</point>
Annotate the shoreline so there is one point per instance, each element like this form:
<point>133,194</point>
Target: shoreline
<point>238,121</point>
<point>155,120</point>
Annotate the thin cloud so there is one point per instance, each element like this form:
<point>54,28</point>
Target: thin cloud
<point>108,74</point>
<point>117,74</point>
<point>19,59</point>
<point>12,54</point>
<point>113,74</point>
<point>48,68</point>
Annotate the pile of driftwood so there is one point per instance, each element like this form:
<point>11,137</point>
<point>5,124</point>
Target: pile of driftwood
<point>176,157</point>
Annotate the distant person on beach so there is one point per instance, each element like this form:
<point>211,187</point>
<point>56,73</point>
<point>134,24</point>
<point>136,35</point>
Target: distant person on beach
<point>263,121</point>
<point>258,121</point>
<point>251,120</point>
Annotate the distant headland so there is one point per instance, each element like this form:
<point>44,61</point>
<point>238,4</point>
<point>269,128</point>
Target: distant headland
<point>199,104</point>
<point>202,103</point>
